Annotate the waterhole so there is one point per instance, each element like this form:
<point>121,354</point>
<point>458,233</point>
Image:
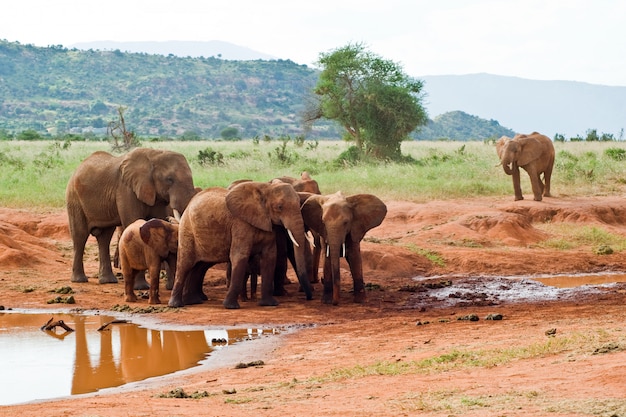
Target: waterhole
<point>578,280</point>
<point>96,352</point>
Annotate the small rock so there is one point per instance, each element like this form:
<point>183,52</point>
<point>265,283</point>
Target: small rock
<point>493,317</point>
<point>550,332</point>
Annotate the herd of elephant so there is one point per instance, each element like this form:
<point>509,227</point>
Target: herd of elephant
<point>251,226</point>
<point>254,227</point>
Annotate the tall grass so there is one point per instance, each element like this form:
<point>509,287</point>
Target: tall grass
<point>34,174</point>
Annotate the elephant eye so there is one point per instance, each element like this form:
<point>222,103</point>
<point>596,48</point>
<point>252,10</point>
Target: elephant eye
<point>169,180</point>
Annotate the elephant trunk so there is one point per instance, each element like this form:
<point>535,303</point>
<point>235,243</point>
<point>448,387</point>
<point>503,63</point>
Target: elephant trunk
<point>295,230</point>
<point>335,251</point>
<point>508,166</point>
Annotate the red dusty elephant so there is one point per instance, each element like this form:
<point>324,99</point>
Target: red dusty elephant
<point>107,191</point>
<point>342,222</point>
<point>145,245</point>
<point>534,153</point>
<point>222,225</point>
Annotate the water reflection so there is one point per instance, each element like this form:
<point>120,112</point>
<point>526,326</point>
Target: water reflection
<point>39,364</point>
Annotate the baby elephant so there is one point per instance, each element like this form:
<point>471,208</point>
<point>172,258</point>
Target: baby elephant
<point>145,245</point>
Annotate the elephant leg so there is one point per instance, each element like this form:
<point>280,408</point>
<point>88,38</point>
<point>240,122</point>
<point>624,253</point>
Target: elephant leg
<point>170,271</point>
<point>327,281</point>
<point>516,183</point>
<point>78,268</point>
<point>184,267</point>
<point>267,266</point>
<point>154,272</point>
<point>547,174</point>
<point>254,278</point>
<point>141,283</point>
<point>353,256</point>
<point>193,292</point>
<point>105,274</point>
<point>280,271</point>
<point>536,184</point>
<point>129,280</point>
<point>315,260</point>
<point>238,272</point>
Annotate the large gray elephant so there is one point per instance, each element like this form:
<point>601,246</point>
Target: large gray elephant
<point>222,225</point>
<point>342,223</point>
<point>534,153</point>
<point>107,191</point>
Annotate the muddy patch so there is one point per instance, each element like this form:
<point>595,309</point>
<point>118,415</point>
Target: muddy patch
<point>451,291</point>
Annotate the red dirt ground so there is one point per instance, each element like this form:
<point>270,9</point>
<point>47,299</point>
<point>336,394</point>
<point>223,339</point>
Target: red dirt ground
<point>414,312</point>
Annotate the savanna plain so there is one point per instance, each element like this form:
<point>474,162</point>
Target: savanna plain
<point>456,322</point>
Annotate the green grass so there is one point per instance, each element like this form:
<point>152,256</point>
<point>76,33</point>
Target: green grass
<point>573,237</point>
<point>34,174</point>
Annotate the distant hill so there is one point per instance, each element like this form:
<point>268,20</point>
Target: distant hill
<point>566,107</point>
<point>457,125</point>
<point>57,90</point>
<point>217,49</point>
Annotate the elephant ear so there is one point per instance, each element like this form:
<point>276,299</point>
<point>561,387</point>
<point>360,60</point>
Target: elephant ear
<point>312,213</point>
<point>500,145</point>
<point>531,149</point>
<point>368,212</point>
<point>155,234</point>
<point>247,202</point>
<point>136,172</point>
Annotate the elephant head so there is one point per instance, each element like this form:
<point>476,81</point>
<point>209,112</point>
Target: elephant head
<point>535,154</point>
<point>271,206</point>
<point>342,222</point>
<point>159,177</point>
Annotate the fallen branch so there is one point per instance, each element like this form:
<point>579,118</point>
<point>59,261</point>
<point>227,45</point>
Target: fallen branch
<point>104,326</point>
<point>50,325</point>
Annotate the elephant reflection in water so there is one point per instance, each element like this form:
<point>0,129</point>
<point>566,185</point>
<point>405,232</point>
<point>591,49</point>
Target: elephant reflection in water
<point>131,353</point>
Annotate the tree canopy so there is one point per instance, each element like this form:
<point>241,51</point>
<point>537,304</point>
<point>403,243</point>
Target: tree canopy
<point>372,98</point>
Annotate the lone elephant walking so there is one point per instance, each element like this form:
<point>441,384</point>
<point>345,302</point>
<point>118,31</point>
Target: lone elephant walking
<point>107,191</point>
<point>534,153</point>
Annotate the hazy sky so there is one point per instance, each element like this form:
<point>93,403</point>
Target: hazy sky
<point>575,40</point>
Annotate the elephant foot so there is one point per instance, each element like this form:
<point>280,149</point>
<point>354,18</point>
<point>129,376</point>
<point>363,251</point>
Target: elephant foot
<point>538,198</point>
<point>175,302</point>
<point>268,301</point>
<point>360,297</point>
<point>79,278</point>
<point>280,291</point>
<point>141,283</point>
<point>327,298</point>
<point>194,299</point>
<point>231,305</point>
<point>108,279</point>
<point>518,198</point>
<point>154,301</point>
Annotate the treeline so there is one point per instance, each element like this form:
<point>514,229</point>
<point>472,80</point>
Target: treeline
<point>55,92</point>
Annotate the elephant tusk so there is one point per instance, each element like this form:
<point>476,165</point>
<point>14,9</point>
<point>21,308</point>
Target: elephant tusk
<point>293,239</point>
<point>176,214</point>
<point>327,251</point>
<point>309,237</point>
<point>343,250</point>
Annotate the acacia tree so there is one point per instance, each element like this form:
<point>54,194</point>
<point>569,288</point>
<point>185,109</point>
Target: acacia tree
<point>370,97</point>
